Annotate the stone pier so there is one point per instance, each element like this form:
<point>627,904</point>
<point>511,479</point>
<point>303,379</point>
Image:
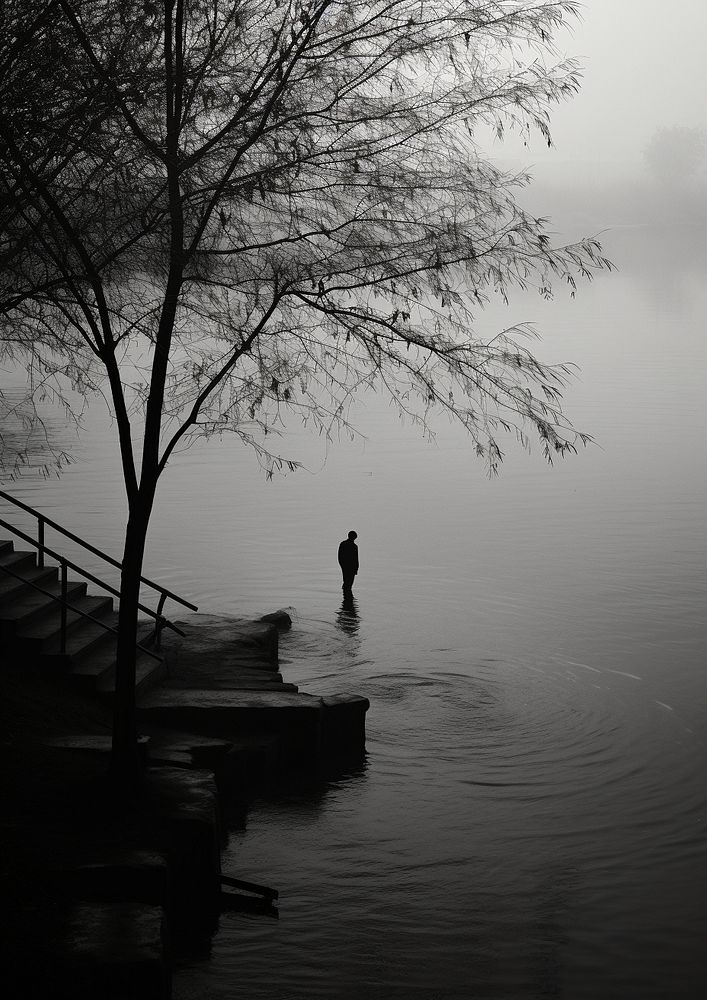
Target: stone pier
<point>97,892</point>
<point>223,682</point>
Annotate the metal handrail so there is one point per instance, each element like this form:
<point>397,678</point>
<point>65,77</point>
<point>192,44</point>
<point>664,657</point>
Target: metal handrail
<point>160,621</point>
<point>42,521</point>
<point>42,549</point>
<point>67,606</point>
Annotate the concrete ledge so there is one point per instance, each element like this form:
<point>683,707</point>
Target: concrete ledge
<point>224,682</point>
<point>131,874</point>
<point>344,724</point>
<point>294,717</point>
<point>114,950</point>
<point>78,950</point>
<point>215,646</point>
<point>95,744</point>
<point>183,820</point>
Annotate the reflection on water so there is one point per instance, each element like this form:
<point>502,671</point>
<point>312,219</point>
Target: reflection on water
<point>347,616</point>
<point>531,818</point>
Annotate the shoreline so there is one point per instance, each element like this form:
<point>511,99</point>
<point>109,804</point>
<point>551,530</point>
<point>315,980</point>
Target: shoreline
<point>98,894</point>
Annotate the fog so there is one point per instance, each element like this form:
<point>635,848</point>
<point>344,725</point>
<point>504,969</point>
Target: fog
<point>644,69</point>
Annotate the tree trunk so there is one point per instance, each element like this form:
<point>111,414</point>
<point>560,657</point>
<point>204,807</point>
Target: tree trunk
<point>125,764</point>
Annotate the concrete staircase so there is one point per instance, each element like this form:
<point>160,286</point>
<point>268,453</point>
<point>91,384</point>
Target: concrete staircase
<point>30,627</point>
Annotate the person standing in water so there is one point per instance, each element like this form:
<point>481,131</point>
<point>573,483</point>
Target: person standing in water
<point>348,560</point>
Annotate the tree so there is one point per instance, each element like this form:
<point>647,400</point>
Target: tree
<point>241,209</point>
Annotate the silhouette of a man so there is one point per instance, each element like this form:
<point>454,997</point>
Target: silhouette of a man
<point>348,560</point>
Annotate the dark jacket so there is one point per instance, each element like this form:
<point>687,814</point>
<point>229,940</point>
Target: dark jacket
<point>348,555</point>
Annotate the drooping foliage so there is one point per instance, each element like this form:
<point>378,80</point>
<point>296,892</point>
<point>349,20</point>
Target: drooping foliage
<point>304,182</point>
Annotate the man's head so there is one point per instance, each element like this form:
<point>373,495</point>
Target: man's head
<point>352,536</point>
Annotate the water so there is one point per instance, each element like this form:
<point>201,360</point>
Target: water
<point>530,819</point>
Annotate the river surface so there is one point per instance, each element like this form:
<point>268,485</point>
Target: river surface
<point>530,818</point>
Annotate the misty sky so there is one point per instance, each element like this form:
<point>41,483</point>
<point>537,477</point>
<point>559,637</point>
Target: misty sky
<point>644,68</point>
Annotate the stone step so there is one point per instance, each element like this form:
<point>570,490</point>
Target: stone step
<point>260,685</point>
<point>306,726</point>
<point>81,641</point>
<point>17,561</point>
<point>95,671</point>
<point>243,678</point>
<point>11,588</point>
<point>30,625</point>
<point>43,636</point>
<point>30,604</point>
<point>295,718</point>
<point>96,674</point>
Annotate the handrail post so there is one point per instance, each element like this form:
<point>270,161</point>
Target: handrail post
<point>40,541</point>
<point>159,620</point>
<point>64,599</point>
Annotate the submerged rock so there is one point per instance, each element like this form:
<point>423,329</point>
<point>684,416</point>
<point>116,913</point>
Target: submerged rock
<point>281,618</point>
